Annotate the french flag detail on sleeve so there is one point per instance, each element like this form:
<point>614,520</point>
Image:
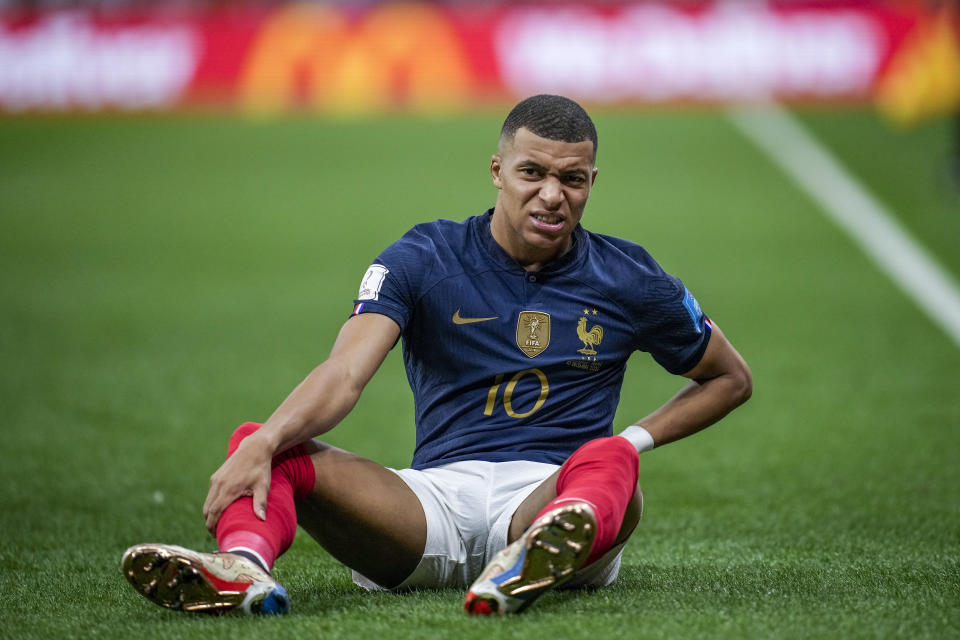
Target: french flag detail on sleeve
<point>357,309</point>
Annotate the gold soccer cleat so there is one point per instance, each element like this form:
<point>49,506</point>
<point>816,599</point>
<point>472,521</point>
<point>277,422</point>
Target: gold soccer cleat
<point>178,578</point>
<point>545,556</point>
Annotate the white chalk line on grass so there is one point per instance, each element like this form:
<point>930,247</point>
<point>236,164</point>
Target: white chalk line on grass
<point>871,225</point>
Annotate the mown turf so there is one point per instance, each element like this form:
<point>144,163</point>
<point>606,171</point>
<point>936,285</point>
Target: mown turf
<point>913,170</point>
<point>164,279</point>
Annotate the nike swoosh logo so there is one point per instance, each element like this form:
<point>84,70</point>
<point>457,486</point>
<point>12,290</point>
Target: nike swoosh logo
<point>458,320</point>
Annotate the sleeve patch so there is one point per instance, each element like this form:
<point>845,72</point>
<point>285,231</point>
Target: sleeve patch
<point>693,308</point>
<point>372,281</point>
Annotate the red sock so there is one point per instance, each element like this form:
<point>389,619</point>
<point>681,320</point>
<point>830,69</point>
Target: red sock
<point>239,528</point>
<point>603,473</point>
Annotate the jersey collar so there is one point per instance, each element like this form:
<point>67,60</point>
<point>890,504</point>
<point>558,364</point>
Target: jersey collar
<point>573,257</point>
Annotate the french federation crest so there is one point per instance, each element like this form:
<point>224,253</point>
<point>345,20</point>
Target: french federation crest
<point>533,332</point>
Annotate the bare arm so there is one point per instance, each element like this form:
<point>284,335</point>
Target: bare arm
<point>719,383</point>
<point>314,407</point>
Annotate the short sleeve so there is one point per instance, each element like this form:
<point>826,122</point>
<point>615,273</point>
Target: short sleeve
<point>672,327</point>
<point>391,284</point>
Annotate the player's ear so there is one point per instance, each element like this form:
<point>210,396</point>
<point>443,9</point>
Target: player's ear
<point>593,176</point>
<point>496,166</point>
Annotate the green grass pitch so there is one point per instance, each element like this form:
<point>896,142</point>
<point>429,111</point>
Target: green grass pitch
<point>163,279</point>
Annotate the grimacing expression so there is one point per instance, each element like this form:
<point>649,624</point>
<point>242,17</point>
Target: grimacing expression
<point>543,188</point>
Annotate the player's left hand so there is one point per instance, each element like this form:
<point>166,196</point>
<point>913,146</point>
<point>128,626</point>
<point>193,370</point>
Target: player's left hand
<point>246,473</point>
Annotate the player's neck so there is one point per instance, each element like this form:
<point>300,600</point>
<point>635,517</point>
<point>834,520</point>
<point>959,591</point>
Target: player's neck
<point>529,256</point>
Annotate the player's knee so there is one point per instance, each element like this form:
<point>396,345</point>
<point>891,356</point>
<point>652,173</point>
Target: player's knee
<point>613,446</point>
<point>325,458</point>
<point>627,458</point>
<point>239,434</point>
<point>614,452</point>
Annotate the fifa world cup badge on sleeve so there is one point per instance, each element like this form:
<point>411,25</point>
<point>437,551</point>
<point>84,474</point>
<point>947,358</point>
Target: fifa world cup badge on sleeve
<point>372,281</point>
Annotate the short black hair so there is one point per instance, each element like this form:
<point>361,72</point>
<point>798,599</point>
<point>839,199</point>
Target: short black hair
<point>551,117</point>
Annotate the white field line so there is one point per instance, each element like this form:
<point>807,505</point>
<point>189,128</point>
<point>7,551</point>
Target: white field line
<point>855,210</point>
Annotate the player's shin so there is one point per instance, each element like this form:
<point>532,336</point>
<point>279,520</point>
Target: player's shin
<point>594,488</point>
<point>602,473</point>
<point>239,530</point>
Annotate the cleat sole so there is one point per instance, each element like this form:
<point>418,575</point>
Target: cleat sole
<point>549,554</point>
<point>172,581</point>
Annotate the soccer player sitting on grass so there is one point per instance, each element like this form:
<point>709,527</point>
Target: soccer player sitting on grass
<point>517,325</point>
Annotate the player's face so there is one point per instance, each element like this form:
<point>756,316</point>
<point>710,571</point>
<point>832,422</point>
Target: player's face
<point>543,187</point>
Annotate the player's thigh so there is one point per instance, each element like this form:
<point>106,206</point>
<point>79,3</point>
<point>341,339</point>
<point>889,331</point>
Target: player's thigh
<point>532,505</point>
<point>547,491</point>
<point>364,515</point>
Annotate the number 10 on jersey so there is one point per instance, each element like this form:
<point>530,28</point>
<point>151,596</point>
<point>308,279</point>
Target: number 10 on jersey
<point>508,393</point>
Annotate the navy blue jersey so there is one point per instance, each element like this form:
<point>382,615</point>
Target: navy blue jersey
<point>510,365</point>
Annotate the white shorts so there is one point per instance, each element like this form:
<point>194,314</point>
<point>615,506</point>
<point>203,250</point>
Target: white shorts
<point>469,506</point>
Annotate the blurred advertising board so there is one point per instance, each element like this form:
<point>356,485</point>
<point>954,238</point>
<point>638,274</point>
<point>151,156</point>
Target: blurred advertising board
<point>332,58</point>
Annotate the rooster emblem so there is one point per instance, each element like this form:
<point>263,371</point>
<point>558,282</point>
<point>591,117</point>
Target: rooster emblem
<point>590,338</point>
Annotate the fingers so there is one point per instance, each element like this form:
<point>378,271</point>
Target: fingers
<point>214,505</point>
<point>222,494</point>
<point>208,507</point>
<point>210,520</point>
<point>260,500</point>
<point>212,509</point>
<point>246,473</point>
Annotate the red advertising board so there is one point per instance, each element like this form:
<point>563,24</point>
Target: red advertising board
<point>427,57</point>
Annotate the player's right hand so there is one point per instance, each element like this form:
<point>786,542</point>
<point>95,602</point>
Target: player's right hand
<point>246,473</point>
